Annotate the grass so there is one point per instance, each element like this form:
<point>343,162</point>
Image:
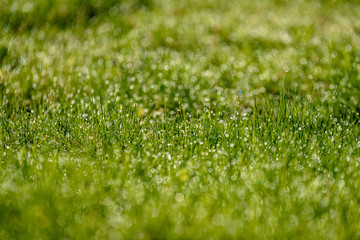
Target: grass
<point>179,120</point>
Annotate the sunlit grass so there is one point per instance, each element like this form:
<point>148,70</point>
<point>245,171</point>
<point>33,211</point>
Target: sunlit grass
<point>179,120</point>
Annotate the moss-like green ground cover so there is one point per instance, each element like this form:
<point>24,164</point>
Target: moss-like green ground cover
<point>179,119</point>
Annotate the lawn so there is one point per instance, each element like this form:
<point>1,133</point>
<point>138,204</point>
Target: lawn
<point>165,119</point>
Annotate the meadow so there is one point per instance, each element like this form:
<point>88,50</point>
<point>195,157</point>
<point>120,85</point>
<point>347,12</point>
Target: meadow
<point>146,119</point>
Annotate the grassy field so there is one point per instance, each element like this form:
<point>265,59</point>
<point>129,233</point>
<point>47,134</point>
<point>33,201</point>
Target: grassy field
<point>145,119</point>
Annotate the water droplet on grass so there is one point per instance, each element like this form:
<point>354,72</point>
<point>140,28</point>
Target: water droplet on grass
<point>179,197</point>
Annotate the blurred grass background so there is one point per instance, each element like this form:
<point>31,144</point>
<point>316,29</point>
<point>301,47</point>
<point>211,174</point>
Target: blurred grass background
<point>244,45</point>
<point>26,15</point>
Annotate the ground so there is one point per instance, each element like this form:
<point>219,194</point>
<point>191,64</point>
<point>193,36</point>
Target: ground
<point>140,119</point>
